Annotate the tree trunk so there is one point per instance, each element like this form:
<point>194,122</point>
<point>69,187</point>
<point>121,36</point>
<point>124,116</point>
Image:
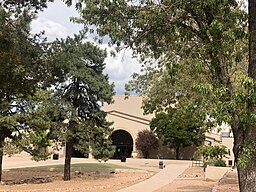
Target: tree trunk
<point>177,152</point>
<point>247,175</point>
<point>252,39</point>
<point>1,165</point>
<point>69,147</point>
<point>1,160</point>
<point>145,153</point>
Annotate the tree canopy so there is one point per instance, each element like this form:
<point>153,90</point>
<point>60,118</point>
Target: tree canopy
<point>43,84</point>
<point>208,37</point>
<point>146,141</point>
<point>23,66</point>
<point>179,127</point>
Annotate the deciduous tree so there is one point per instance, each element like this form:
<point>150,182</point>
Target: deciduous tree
<point>213,154</point>
<point>211,35</point>
<point>146,141</point>
<point>179,127</point>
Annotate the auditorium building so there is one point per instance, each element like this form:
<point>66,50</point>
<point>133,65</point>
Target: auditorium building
<point>128,119</point>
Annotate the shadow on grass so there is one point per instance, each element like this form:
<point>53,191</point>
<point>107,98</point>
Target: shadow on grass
<point>45,174</point>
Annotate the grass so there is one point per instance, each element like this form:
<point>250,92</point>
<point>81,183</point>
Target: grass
<point>83,166</point>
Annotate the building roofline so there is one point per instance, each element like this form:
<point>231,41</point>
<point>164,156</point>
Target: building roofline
<point>129,117</point>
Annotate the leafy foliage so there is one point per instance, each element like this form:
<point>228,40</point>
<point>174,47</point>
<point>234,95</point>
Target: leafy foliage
<point>198,48</point>
<point>146,141</point>
<point>213,154</point>
<point>217,162</point>
<point>248,152</point>
<point>30,117</point>
<point>179,127</point>
<point>22,61</point>
<point>17,6</point>
<point>212,151</point>
<point>205,36</point>
<point>24,124</point>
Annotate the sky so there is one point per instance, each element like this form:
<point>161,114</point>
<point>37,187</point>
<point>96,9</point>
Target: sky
<point>55,21</point>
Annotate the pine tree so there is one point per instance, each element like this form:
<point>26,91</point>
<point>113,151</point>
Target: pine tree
<point>22,67</point>
<point>81,89</point>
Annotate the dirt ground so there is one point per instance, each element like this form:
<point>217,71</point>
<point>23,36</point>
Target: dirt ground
<point>105,180</point>
<point>192,180</point>
<point>228,183</point>
<point>21,180</point>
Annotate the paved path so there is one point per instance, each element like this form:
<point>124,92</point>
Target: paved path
<point>172,170</point>
<point>162,177</point>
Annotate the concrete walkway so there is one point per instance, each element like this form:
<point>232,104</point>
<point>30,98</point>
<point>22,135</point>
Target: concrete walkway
<point>161,178</point>
<point>172,170</point>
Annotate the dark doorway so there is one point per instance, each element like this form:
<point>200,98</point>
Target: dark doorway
<point>123,142</point>
<point>78,154</point>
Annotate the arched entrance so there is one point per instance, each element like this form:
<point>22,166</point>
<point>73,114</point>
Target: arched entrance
<point>123,142</point>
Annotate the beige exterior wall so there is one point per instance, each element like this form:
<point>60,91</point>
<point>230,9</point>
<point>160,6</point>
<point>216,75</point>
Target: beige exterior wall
<point>229,142</point>
<point>164,152</point>
<point>127,115</point>
<point>132,106</point>
<point>212,138</point>
<point>131,127</point>
<point>217,139</point>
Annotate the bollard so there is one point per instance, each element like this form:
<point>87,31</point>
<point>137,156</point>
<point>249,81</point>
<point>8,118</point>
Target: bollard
<point>123,159</point>
<point>55,156</point>
<point>161,165</point>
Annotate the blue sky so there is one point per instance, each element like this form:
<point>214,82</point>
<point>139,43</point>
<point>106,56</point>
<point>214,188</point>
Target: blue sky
<point>55,21</point>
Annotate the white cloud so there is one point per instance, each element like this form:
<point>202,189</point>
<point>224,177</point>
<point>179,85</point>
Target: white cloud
<point>120,69</point>
<point>122,66</point>
<point>52,29</point>
<point>55,21</point>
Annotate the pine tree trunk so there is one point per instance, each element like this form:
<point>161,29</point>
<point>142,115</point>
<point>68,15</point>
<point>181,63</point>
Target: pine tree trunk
<point>1,166</point>
<point>69,147</point>
<point>1,162</point>
<point>1,155</point>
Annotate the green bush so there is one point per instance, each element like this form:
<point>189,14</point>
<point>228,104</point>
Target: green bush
<point>216,162</point>
<point>213,155</point>
<point>212,151</point>
<point>219,163</point>
<point>146,141</point>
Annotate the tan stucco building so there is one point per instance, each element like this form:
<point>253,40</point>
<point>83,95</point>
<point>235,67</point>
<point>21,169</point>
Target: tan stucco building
<point>128,119</point>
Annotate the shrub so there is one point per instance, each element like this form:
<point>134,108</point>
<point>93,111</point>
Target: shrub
<point>213,155</point>
<point>216,162</point>
<point>211,152</point>
<point>219,163</point>
<point>146,141</point>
